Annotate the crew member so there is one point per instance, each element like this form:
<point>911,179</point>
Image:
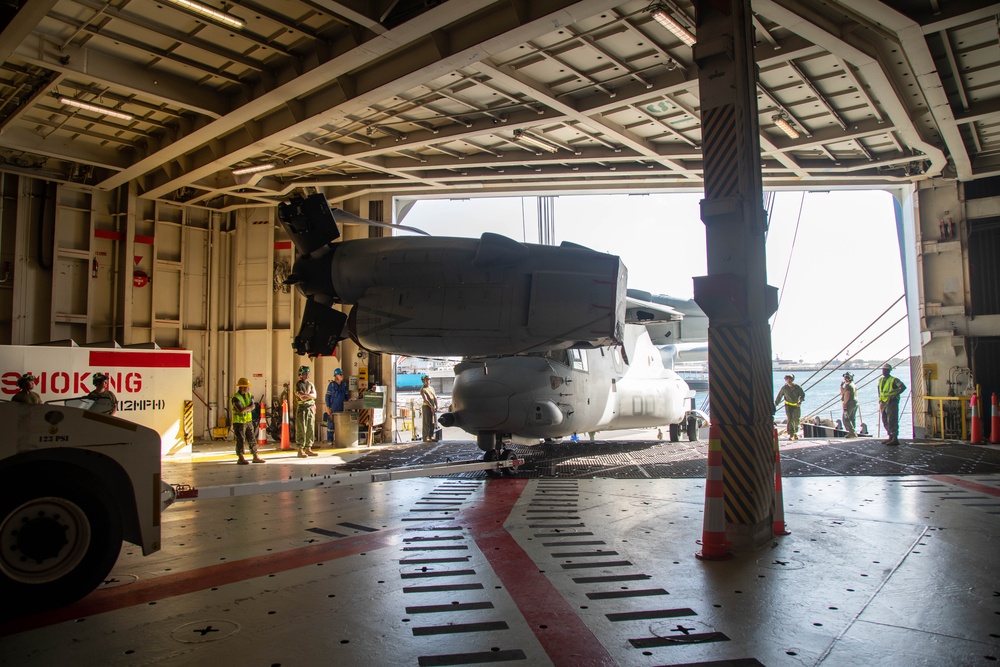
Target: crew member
<point>889,390</point>
<point>336,394</point>
<point>428,409</point>
<point>25,385</point>
<point>793,396</point>
<point>242,407</point>
<point>104,400</point>
<point>305,414</point>
<point>849,402</point>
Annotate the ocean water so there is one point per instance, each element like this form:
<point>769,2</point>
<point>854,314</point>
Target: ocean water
<point>823,397</point>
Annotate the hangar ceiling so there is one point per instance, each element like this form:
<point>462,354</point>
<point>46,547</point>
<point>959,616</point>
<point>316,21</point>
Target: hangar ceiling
<point>462,97</point>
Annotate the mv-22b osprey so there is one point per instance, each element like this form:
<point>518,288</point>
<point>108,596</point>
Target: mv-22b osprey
<point>572,364</point>
<point>545,396</point>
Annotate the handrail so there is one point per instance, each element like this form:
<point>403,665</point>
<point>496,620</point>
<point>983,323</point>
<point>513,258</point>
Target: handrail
<point>964,400</point>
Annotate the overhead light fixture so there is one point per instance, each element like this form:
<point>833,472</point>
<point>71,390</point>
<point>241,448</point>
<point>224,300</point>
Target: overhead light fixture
<point>661,16</point>
<point>242,171</point>
<point>785,126</point>
<point>537,142</point>
<point>69,101</point>
<point>209,13</point>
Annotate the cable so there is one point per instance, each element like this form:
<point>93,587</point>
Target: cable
<point>788,266</point>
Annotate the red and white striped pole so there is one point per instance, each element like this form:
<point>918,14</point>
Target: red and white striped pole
<point>262,431</point>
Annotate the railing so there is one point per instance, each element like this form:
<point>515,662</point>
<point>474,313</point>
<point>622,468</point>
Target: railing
<point>942,419</point>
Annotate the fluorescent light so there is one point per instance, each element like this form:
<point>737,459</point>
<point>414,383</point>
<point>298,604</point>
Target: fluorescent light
<point>254,169</point>
<point>69,101</point>
<point>209,13</point>
<point>532,140</point>
<point>664,19</point>
<point>785,126</point>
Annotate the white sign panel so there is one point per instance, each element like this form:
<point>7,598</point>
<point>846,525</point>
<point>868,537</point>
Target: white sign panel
<point>151,385</point>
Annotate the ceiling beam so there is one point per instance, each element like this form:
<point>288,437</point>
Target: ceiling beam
<point>63,148</point>
<point>24,21</point>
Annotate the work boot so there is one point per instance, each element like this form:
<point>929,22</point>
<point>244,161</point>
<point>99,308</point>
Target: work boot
<point>310,452</point>
<point>302,453</point>
<point>892,441</point>
<point>257,459</point>
<point>242,461</point>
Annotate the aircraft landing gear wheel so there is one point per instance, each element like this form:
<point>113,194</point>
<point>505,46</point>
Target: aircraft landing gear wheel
<point>692,428</point>
<point>675,433</point>
<point>491,455</point>
<point>506,455</point>
<point>60,535</point>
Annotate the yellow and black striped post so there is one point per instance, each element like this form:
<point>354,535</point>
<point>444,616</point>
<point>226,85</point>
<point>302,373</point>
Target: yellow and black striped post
<point>735,294</point>
<point>188,422</point>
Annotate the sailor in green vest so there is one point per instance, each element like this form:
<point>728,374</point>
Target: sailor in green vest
<point>305,414</point>
<point>793,396</point>
<point>242,407</point>
<point>889,390</point>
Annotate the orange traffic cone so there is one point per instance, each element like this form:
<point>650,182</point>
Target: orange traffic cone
<point>779,498</point>
<point>286,441</point>
<point>713,536</point>
<point>977,423</point>
<point>995,423</point>
<point>262,431</point>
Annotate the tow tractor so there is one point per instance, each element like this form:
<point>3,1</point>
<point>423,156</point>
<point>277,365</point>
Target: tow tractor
<point>77,483</point>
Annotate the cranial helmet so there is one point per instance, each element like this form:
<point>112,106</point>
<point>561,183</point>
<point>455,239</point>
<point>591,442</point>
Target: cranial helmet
<point>303,369</point>
<point>25,379</point>
<point>100,377</point>
<point>887,367</point>
<point>243,382</point>
<point>849,376</point>
<point>337,371</point>
<point>790,377</point>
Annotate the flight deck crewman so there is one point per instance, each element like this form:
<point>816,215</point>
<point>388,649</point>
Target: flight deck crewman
<point>305,414</point>
<point>336,394</point>
<point>25,385</point>
<point>104,400</point>
<point>428,409</point>
<point>849,402</point>
<point>242,407</point>
<point>793,396</point>
<point>889,389</point>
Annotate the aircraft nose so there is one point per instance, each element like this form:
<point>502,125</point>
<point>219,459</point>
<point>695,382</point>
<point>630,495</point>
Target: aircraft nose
<point>482,405</point>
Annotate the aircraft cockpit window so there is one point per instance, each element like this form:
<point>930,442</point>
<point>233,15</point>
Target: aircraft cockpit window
<point>578,360</point>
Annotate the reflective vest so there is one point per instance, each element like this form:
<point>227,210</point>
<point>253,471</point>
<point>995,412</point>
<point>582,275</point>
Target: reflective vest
<point>245,401</point>
<point>886,385</point>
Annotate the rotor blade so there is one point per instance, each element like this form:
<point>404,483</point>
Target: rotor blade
<point>341,215</point>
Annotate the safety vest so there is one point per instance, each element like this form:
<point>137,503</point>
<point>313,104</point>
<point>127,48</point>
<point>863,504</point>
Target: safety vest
<point>885,388</point>
<point>246,400</point>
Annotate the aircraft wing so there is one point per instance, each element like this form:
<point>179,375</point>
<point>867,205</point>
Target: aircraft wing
<point>638,311</point>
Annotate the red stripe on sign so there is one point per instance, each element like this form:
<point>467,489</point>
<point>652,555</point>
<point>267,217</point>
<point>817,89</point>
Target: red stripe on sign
<point>966,484</point>
<point>105,358</point>
<point>148,240</point>
<point>282,245</point>
<point>562,633</point>
<point>107,234</point>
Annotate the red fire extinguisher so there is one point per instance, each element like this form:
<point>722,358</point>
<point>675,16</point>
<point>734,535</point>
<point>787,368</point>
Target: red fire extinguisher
<point>93,270</point>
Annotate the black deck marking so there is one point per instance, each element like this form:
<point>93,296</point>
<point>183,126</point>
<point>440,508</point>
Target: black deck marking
<point>679,640</point>
<point>580,543</point>
<point>357,526</point>
<point>426,518</point>
<point>431,529</point>
<point>611,595</point>
<point>450,547</point>
<point>470,658</point>
<point>438,573</point>
<point>583,554</point>
<point>455,628</point>
<point>580,534</point>
<point>651,614</point>
<point>444,588</point>
<point>434,538</point>
<point>437,608</point>
<point>606,563</point>
<point>440,502</point>
<point>428,561</point>
<point>736,662</point>
<point>324,531</point>
<point>611,578</point>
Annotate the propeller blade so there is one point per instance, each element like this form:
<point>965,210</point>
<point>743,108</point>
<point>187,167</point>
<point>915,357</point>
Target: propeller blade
<point>309,222</point>
<point>341,215</point>
<point>321,329</point>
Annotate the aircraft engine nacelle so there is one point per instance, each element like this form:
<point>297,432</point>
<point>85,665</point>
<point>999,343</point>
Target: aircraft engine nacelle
<point>442,296</point>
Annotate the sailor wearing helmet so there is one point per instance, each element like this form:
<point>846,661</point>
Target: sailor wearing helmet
<point>25,384</point>
<point>849,402</point>
<point>104,400</point>
<point>336,394</point>
<point>305,414</point>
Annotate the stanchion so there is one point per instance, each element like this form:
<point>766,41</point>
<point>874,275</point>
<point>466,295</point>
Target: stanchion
<point>286,441</point>
<point>977,423</point>
<point>262,431</point>
<point>713,535</point>
<point>995,423</point>
<point>779,498</point>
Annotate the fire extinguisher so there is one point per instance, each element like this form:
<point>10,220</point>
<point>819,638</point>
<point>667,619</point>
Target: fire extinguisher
<point>93,270</point>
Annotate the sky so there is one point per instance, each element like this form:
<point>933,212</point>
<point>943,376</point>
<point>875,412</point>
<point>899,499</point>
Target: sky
<point>836,265</point>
